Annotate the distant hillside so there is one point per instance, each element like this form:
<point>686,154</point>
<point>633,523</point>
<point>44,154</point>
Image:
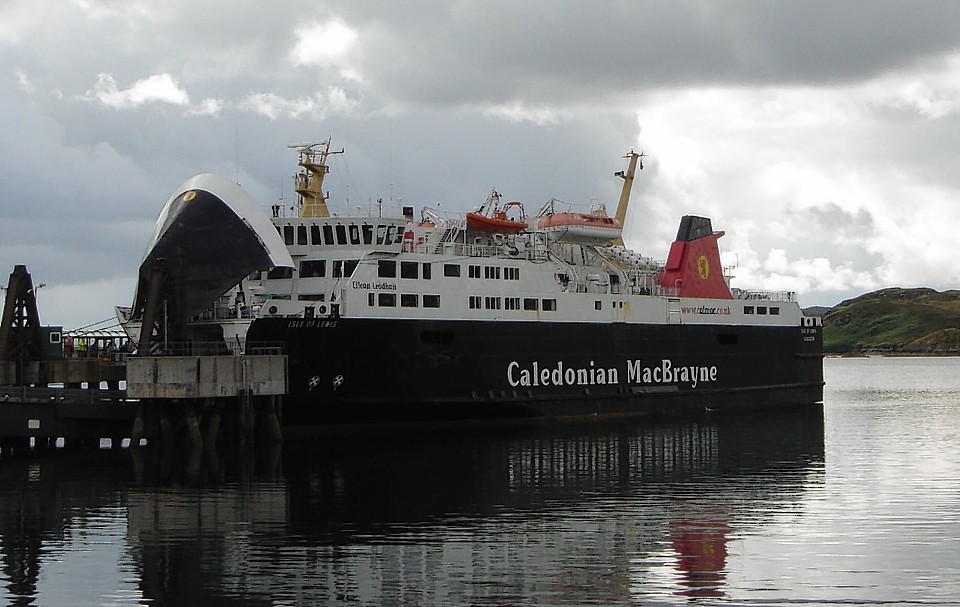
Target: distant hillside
<point>908,321</point>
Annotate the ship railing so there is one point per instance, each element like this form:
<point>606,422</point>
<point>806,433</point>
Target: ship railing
<point>212,348</point>
<point>782,296</point>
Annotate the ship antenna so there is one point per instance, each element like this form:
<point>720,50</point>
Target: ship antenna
<point>309,181</point>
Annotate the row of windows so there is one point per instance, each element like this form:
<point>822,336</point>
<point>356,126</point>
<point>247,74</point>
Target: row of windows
<point>387,268</point>
<point>488,272</point>
<point>478,302</point>
<point>407,300</point>
<point>760,310</point>
<point>340,234</point>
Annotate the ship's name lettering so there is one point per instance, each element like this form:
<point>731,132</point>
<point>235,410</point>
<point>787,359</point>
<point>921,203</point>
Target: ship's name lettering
<point>373,286</point>
<point>560,374</point>
<point>307,324</point>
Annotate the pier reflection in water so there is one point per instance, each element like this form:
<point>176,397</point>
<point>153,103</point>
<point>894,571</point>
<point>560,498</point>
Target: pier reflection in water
<point>533,515</point>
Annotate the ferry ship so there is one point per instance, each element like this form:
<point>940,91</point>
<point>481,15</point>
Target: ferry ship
<point>489,315</point>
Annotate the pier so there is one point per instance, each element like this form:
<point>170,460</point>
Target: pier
<point>57,393</point>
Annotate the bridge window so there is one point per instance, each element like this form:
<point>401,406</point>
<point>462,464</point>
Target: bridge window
<point>278,273</point>
<point>341,233</point>
<point>327,233</point>
<point>313,268</point>
<point>354,234</point>
<point>288,235</point>
<point>315,237</point>
<point>367,233</point>
<point>387,268</point>
<point>301,234</point>
<point>408,269</point>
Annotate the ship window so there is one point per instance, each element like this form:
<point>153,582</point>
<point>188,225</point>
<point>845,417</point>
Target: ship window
<point>598,305</point>
<point>388,300</point>
<point>511,303</point>
<point>367,230</point>
<point>408,300</point>
<point>492,303</point>
<point>431,301</point>
<point>341,233</point>
<point>354,234</point>
<point>451,270</point>
<point>475,301</point>
<point>393,235</point>
<point>491,272</point>
<point>338,268</point>
<point>530,303</point>
<point>727,339</point>
<point>315,238</point>
<point>761,310</point>
<point>549,305</point>
<point>436,337</point>
<point>349,266</point>
<point>371,298</point>
<point>277,273</point>
<point>381,233</point>
<point>427,270</point>
<point>327,233</point>
<point>387,268</point>
<point>511,273</point>
<point>474,271</point>
<point>774,311</point>
<point>288,235</point>
<point>301,234</point>
<point>748,309</point>
<point>408,269</point>
<point>313,268</point>
<point>311,297</point>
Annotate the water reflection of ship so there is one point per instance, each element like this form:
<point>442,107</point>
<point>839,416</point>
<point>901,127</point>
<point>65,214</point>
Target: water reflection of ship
<point>611,507</point>
<point>627,510</point>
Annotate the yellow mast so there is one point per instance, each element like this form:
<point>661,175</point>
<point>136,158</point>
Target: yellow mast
<point>308,183</point>
<point>625,192</point>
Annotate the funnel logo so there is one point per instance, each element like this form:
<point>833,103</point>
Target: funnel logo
<point>703,267</point>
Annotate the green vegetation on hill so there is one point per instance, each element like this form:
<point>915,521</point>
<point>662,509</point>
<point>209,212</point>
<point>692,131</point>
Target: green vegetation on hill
<point>908,321</point>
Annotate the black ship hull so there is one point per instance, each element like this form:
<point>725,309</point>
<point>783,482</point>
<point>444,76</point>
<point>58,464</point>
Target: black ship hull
<point>356,370</point>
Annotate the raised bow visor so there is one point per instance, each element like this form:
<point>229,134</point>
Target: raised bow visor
<point>209,235</point>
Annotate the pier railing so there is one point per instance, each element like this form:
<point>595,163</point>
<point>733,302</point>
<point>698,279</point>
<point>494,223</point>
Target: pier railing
<point>212,348</point>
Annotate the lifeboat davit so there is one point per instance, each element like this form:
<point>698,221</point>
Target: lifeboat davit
<point>595,227</point>
<point>497,221</point>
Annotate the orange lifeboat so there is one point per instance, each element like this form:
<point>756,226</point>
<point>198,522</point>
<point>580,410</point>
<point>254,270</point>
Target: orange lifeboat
<point>495,220</point>
<point>595,227</point>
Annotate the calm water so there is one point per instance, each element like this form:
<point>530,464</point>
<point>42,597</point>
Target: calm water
<point>854,503</point>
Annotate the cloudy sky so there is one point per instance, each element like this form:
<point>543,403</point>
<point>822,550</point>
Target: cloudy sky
<point>821,136</point>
